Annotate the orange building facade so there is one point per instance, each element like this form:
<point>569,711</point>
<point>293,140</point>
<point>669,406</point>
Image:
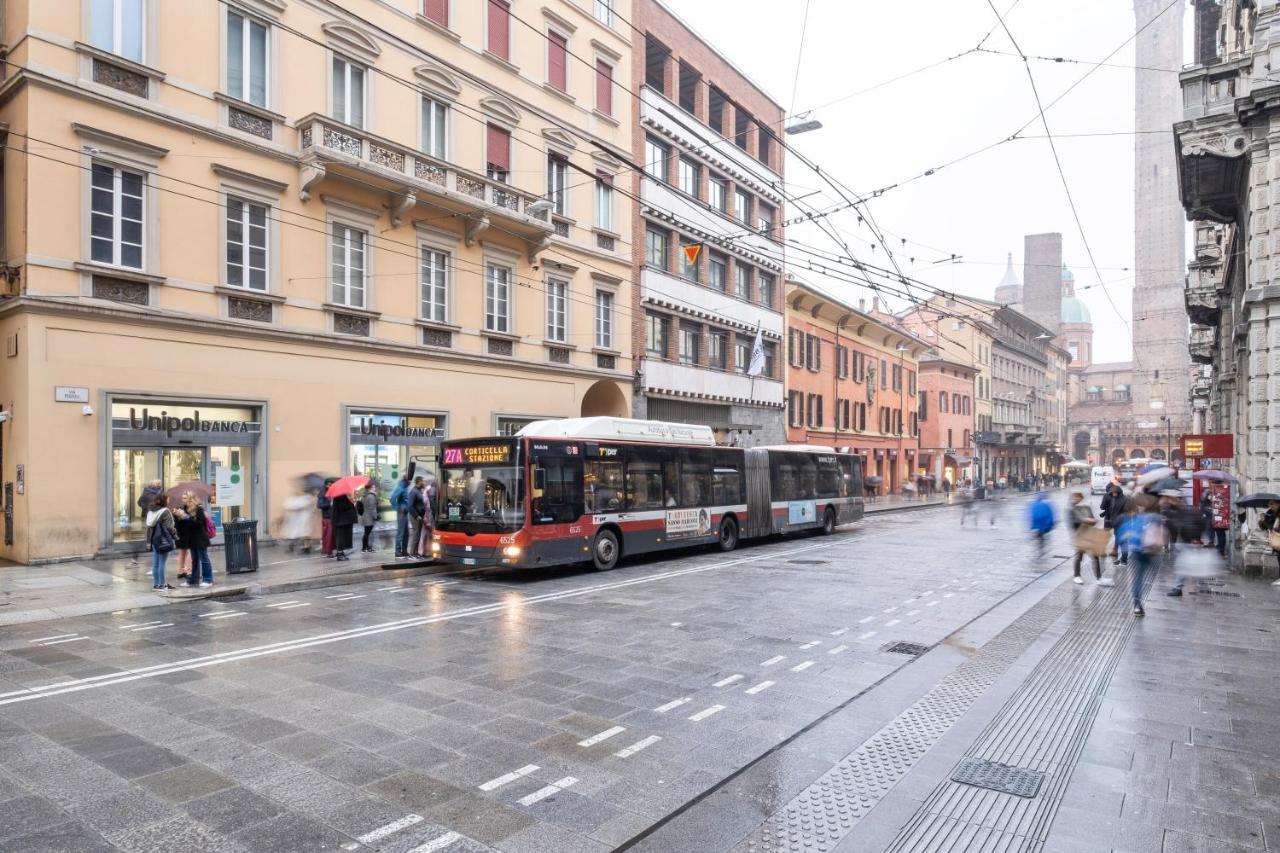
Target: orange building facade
<point>946,419</point>
<point>852,384</point>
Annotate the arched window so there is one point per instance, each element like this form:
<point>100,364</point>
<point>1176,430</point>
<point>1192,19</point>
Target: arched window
<point>942,402</point>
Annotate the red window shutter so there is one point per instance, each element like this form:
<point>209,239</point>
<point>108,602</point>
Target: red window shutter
<point>604,87</point>
<point>499,148</point>
<point>557,66</point>
<point>499,28</point>
<point>436,10</point>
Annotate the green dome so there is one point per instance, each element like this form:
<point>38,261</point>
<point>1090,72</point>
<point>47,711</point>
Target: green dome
<point>1073,311</point>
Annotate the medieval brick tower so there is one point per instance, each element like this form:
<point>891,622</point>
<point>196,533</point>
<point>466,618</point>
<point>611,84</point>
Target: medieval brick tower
<point>1162,364</point>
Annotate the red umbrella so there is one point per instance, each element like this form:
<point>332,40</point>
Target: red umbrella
<point>346,485</point>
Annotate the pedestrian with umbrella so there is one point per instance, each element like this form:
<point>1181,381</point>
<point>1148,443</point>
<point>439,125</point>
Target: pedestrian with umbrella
<point>1270,521</point>
<point>325,504</point>
<point>343,515</point>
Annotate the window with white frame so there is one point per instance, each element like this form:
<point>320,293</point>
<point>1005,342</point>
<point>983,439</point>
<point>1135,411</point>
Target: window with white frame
<point>655,160</point>
<point>557,310</point>
<point>347,265</point>
<point>117,216</point>
<point>497,298</point>
<point>557,182</point>
<point>435,128</point>
<point>348,92</point>
<point>433,282</point>
<point>764,216</point>
<point>604,201</point>
<point>247,59</point>
<point>119,27</point>
<point>741,280</point>
<point>247,243</point>
<point>604,319</point>
<point>604,12</point>
<point>718,193</point>
<point>742,206</point>
<point>687,175</point>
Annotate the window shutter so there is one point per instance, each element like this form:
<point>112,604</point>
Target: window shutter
<point>817,359</point>
<point>436,10</point>
<point>820,421</point>
<point>604,87</point>
<point>499,148</point>
<point>557,68</point>
<point>500,28</point>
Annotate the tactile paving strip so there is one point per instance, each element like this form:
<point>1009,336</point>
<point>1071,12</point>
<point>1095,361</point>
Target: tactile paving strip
<point>998,777</point>
<point>828,809</point>
<point>1041,728</point>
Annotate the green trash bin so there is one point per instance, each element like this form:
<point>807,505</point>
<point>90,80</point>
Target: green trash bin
<point>241,548</point>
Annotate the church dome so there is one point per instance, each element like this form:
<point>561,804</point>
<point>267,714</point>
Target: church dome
<point>1074,311</point>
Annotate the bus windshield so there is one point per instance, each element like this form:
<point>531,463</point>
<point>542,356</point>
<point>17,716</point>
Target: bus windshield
<point>481,487</point>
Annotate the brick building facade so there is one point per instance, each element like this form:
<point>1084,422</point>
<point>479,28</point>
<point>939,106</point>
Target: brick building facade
<point>947,419</point>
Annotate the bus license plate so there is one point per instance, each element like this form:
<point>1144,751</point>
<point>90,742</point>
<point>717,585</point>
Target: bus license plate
<point>468,561</point>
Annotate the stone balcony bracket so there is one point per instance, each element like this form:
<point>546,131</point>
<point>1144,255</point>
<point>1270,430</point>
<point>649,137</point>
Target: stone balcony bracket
<point>410,177</point>
<point>1203,344</point>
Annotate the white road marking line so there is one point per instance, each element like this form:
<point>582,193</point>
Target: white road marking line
<point>64,640</point>
<point>776,659</point>
<point>92,682</point>
<point>387,588</point>
<point>839,631</point>
<point>801,667</point>
<point>892,622</point>
<point>725,682</point>
<point>604,735</point>
<point>662,709</point>
<point>282,603</point>
<point>909,601</point>
<point>351,597</point>
<point>913,613</point>
<point>339,595</point>
<point>390,829</point>
<point>295,604</point>
<point>54,637</point>
<point>637,746</point>
<point>865,620</point>
<point>706,712</point>
<point>402,589</point>
<point>140,624</point>
<point>153,627</point>
<point>554,788</point>
<point>676,624</point>
<point>493,784</point>
<point>809,645</point>
<point>888,610</point>
<point>932,603</point>
<point>437,844</point>
<point>229,615</point>
<point>949,595</point>
<point>868,635</point>
<point>926,592</point>
<point>764,685</point>
<point>837,650</point>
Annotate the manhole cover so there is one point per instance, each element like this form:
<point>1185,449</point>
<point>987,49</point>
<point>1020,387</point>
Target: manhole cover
<point>808,562</point>
<point>998,777</point>
<point>903,648</point>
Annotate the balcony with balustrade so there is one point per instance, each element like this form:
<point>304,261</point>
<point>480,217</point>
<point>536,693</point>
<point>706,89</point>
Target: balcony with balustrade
<point>331,148</point>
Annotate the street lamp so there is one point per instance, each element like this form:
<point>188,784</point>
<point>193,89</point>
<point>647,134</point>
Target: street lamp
<point>805,125</point>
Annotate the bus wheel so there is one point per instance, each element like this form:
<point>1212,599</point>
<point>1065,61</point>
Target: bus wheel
<point>829,522</point>
<point>728,534</point>
<point>605,553</point>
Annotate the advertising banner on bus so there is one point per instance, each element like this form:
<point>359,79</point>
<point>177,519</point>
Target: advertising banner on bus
<point>802,512</point>
<point>688,522</point>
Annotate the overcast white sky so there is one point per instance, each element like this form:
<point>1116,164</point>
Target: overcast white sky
<point>981,208</point>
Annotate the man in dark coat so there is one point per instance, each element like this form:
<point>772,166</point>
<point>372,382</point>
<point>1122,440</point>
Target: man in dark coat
<point>1113,503</point>
<point>344,517</point>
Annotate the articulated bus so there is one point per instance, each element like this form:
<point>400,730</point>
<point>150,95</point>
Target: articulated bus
<point>594,489</point>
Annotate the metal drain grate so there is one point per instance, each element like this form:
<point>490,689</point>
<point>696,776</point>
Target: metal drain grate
<point>903,648</point>
<point>998,777</point>
<point>1221,592</point>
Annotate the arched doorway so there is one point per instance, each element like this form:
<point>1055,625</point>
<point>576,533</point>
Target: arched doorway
<point>605,399</point>
<point>1137,454</point>
<point>1117,456</point>
<point>1176,459</point>
<point>1081,444</point>
<point>1157,454</point>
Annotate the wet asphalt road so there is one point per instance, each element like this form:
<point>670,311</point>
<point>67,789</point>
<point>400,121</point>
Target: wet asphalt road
<point>560,711</point>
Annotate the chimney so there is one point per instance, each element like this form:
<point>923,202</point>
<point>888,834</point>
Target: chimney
<point>875,304</point>
<point>862,304</point>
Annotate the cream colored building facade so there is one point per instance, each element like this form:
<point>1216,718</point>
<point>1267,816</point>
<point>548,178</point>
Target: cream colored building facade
<point>339,232</point>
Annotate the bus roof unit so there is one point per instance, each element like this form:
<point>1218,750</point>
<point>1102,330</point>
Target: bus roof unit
<point>621,429</point>
<point>799,448</point>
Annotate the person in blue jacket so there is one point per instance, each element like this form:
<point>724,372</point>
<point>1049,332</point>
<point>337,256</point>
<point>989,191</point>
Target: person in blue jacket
<point>1041,522</point>
<point>400,502</point>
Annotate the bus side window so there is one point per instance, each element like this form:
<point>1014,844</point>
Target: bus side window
<point>644,478</point>
<point>846,476</point>
<point>808,475</point>
<point>561,486</point>
<point>828,478</point>
<point>604,486</point>
<point>695,478</point>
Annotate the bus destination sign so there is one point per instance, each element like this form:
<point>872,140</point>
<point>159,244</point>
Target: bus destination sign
<point>478,454</point>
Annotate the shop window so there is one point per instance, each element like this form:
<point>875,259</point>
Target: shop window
<point>383,445</point>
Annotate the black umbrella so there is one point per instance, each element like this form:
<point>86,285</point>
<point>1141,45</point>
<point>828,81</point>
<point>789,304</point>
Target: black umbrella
<point>312,482</point>
<point>1166,484</point>
<point>1257,500</point>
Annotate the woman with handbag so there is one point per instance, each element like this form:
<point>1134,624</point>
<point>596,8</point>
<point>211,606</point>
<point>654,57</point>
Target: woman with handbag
<point>1271,522</point>
<point>1088,538</point>
<point>161,538</point>
<point>199,536</point>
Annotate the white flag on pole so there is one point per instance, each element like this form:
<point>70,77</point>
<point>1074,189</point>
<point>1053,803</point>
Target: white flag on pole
<point>757,355</point>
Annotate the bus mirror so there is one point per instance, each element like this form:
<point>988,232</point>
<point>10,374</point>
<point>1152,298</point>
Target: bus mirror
<point>539,480</point>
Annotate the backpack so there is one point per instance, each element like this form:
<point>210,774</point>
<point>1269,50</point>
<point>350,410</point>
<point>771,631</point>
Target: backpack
<point>161,539</point>
<point>209,529</point>
<point>359,507</point>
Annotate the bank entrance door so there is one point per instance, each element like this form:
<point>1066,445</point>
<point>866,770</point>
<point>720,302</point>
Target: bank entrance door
<point>134,468</point>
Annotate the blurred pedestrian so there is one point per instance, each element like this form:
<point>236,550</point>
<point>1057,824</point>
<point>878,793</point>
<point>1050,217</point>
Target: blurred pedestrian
<point>299,521</point>
<point>1082,521</point>
<point>343,519</point>
<point>1206,511</point>
<point>1186,527</point>
<point>368,511</point>
<point>161,538</point>
<point>145,500</point>
<point>1111,509</point>
<point>946,489</point>
<point>199,534</point>
<point>428,517</point>
<point>184,524</point>
<point>1142,534</point>
<point>1042,522</point>
<point>1271,523</point>
<point>1220,521</point>
<point>417,512</point>
<point>400,503</point>
<point>325,505</point>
